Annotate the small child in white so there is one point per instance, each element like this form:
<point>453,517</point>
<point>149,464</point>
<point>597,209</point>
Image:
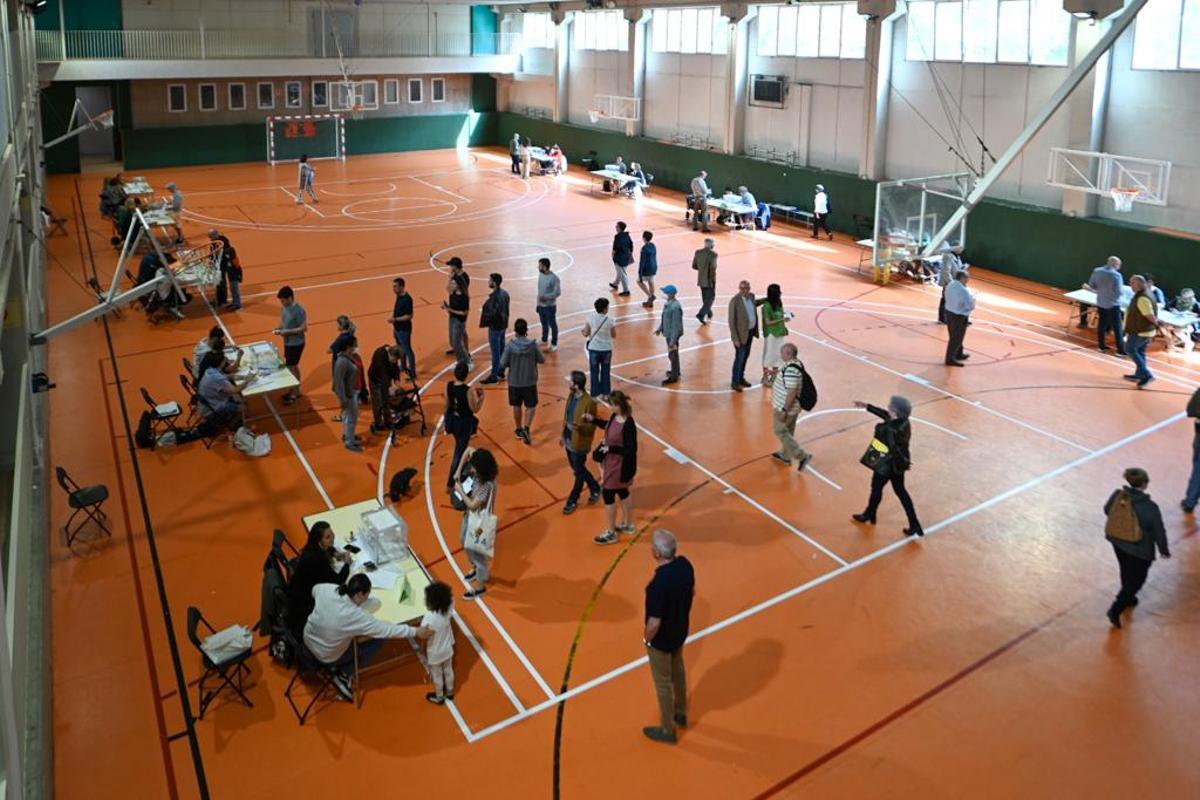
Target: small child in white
<point>439,647</point>
<point>307,174</point>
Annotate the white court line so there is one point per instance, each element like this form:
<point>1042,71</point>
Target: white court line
<point>389,276</point>
<point>299,202</point>
<point>771,602</point>
<point>440,189</point>
<point>813,470</point>
<point>657,356</point>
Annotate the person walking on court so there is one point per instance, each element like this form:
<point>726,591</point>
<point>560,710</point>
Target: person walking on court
<point>308,176</point>
<point>463,401</point>
<point>1192,495</point>
<point>647,268</point>
<point>667,618</point>
<point>700,194</point>
<point>704,262</point>
<point>402,326</point>
<point>521,358</point>
<point>1106,281</point>
<point>577,434</point>
<point>599,330</point>
<point>619,452</point>
<point>622,256</point>
<point>345,386</point>
<point>890,442</point>
<point>743,330</point>
<point>959,305</point>
<point>821,212</point>
<point>670,327</point>
<point>1141,323</point>
<point>494,317</point>
<point>549,288</point>
<point>785,403</point>
<point>293,325</point>
<point>1134,526</point>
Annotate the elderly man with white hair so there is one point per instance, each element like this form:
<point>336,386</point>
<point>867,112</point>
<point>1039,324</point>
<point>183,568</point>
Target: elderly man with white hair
<point>668,612</point>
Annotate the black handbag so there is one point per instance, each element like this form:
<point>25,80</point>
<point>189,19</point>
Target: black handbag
<point>598,454</point>
<point>877,458</point>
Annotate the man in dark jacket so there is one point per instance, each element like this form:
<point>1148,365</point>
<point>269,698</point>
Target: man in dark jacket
<point>521,357</point>
<point>668,615</point>
<point>494,317</point>
<point>1192,496</point>
<point>345,386</point>
<point>1134,555</point>
<point>622,256</point>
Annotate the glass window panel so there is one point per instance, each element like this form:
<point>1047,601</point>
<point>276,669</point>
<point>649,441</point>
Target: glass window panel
<point>208,97</point>
<point>320,94</point>
<point>854,32</point>
<point>920,31</point>
<point>590,29</point>
<point>808,35</point>
<point>787,31</point>
<point>674,27</point>
<point>438,87</point>
<point>688,35</point>
<point>720,33</point>
<point>704,31</point>
<point>1189,50</point>
<point>831,31</point>
<point>1050,36</point>
<point>947,32</point>
<point>1012,44</point>
<point>237,97</point>
<point>1155,34</point>
<point>979,31</point>
<point>658,33</point>
<point>768,30</point>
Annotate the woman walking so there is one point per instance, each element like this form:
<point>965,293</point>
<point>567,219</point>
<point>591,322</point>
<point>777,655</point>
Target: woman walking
<point>619,451</point>
<point>1135,528</point>
<point>774,320</point>
<point>888,458</point>
<point>481,498</point>
<point>600,331</point>
<point>462,402</point>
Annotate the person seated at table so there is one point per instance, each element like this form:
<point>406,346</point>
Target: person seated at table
<point>747,199</point>
<point>1154,290</point>
<point>640,179</point>
<point>125,221</point>
<point>319,562</point>
<point>112,197</point>
<point>620,166</point>
<point>342,617</point>
<point>1186,303</point>
<point>214,342</point>
<point>221,403</point>
<point>560,160</point>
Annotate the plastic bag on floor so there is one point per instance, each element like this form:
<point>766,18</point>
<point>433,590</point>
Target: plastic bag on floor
<point>250,444</point>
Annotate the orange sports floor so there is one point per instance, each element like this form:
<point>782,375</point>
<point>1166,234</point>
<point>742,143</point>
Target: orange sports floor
<point>831,660</point>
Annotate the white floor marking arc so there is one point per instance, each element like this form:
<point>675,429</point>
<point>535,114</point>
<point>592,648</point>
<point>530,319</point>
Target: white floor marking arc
<point>441,189</point>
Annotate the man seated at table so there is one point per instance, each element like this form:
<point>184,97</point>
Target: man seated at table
<point>214,341</point>
<point>745,198</point>
<point>126,220</point>
<point>1154,290</point>
<point>112,197</point>
<point>620,166</point>
<point>640,180</point>
<point>221,403</point>
<point>1184,336</point>
<point>340,617</point>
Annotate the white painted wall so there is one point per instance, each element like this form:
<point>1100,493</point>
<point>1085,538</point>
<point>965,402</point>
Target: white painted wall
<point>1156,115</point>
<point>596,72</point>
<point>685,94</point>
<point>526,92</point>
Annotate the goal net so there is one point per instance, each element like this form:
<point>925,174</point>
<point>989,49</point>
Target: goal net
<point>315,135</point>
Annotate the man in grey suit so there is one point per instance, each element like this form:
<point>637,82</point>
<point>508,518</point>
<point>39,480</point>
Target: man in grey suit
<point>743,329</point>
<point>705,264</point>
<point>671,328</point>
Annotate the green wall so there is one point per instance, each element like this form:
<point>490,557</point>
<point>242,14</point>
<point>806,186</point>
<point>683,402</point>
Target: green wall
<point>81,15</point>
<point>484,21</point>
<point>1027,241</point>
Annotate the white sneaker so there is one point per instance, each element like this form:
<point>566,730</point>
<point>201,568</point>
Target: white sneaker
<point>344,688</point>
<point>553,348</point>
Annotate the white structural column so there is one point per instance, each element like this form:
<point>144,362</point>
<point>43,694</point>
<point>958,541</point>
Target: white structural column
<point>638,20</point>
<point>736,75</point>
<point>563,30</point>
<point>1086,109</point>
<point>877,86</point>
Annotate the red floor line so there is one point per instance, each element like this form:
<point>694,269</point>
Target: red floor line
<point>164,737</point>
<point>912,705</point>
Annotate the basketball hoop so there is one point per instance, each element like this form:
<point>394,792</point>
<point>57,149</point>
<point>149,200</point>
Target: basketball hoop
<point>596,114</point>
<point>356,111</point>
<point>1123,197</point>
<point>102,121</point>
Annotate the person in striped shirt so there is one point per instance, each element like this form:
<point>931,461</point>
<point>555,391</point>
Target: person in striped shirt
<point>785,400</point>
<point>307,176</point>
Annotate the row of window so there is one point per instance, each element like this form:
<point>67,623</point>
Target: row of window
<point>989,31</point>
<point>1167,35</point>
<point>334,95</point>
<point>831,30</point>
<point>689,30</point>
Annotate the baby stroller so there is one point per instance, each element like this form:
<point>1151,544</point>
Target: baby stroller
<point>403,404</point>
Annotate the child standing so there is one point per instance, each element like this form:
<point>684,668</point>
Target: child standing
<point>439,647</point>
<point>307,174</point>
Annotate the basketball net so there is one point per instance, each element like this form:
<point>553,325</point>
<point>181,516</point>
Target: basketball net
<point>1123,198</point>
<point>597,114</point>
<point>102,121</point>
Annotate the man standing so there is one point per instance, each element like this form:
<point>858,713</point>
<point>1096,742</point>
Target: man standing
<point>345,386</point>
<point>578,432</point>
<point>785,400</point>
<point>959,305</point>
<point>402,327</point>
<point>622,256</point>
<point>647,268</point>
<point>705,264</point>
<point>1106,282</point>
<point>522,356</point>
<point>549,288</point>
<point>459,273</point>
<point>1135,529</point>
<point>230,285</point>
<point>494,317</point>
<point>743,330</point>
<point>668,611</point>
<point>951,263</point>
<point>1141,324</point>
<point>175,206</point>
<point>700,194</point>
<point>293,324</point>
<point>1192,496</point>
<point>670,327</point>
<point>308,176</point>
<point>514,150</point>
<point>821,211</point>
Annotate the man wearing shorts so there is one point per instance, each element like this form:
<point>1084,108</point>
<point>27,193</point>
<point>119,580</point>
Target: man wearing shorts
<point>520,359</point>
<point>293,324</point>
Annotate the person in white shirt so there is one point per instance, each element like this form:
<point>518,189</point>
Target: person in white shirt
<point>959,305</point>
<point>951,263</point>
<point>821,211</point>
<point>439,647</point>
<point>745,198</point>
<point>341,616</point>
<point>307,176</point>
<point>700,194</point>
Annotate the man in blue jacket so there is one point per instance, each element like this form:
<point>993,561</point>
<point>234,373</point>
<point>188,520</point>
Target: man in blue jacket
<point>671,328</point>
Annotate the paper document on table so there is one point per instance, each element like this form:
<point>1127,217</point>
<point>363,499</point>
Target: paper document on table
<point>384,579</point>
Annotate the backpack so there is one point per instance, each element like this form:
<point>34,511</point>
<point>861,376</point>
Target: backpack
<point>1122,524</point>
<point>400,483</point>
<point>143,437</point>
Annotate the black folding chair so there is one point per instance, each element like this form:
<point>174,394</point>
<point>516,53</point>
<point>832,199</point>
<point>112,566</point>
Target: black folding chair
<point>192,399</point>
<point>231,669</point>
<point>189,369</point>
<point>86,500</point>
<point>162,414</point>
<point>308,670</point>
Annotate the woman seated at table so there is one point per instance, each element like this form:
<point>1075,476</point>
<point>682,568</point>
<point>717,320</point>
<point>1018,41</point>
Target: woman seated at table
<point>220,398</point>
<point>560,160</point>
<point>215,341</point>
<point>1185,303</point>
<point>318,562</point>
<point>639,182</point>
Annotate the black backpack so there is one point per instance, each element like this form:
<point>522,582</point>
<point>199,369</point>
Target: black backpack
<point>143,437</point>
<point>400,483</point>
<point>808,389</point>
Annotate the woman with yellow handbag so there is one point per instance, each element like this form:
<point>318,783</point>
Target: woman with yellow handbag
<point>888,459</point>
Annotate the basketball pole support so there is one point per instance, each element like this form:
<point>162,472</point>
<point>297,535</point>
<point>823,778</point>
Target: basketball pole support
<point>1076,76</point>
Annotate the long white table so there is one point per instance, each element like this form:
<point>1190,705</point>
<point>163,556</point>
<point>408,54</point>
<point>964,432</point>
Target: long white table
<point>735,207</point>
<point>137,185</point>
<point>1179,320</point>
<point>262,359</point>
<point>610,175</point>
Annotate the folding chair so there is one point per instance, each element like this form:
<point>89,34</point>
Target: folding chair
<point>86,499</point>
<point>56,224</point>
<point>190,389</point>
<point>231,669</point>
<point>189,369</point>
<point>308,668</point>
<point>162,413</point>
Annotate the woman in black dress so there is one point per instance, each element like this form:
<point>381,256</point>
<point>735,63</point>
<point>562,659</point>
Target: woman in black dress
<point>462,401</point>
<point>893,433</point>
